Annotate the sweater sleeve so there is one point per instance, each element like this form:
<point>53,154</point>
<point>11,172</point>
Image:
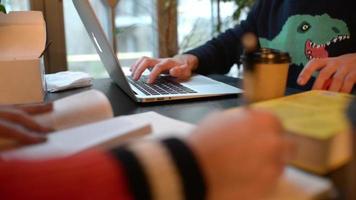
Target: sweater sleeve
<point>161,170</point>
<point>220,53</point>
<point>146,170</point>
<point>89,175</point>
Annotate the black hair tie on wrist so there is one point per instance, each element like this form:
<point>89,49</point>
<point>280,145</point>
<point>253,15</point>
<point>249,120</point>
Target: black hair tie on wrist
<point>192,177</point>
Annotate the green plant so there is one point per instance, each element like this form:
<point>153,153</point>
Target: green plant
<point>2,8</point>
<point>241,5</point>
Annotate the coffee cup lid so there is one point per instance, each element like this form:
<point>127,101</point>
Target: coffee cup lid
<point>267,56</point>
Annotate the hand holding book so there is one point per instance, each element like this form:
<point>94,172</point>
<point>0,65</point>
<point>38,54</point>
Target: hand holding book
<point>28,124</point>
<point>17,123</point>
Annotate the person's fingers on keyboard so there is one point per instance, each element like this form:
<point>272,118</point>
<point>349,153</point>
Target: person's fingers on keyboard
<point>145,64</point>
<point>160,68</point>
<point>181,72</point>
<point>137,63</point>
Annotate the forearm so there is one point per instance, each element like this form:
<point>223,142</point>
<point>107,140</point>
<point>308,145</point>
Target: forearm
<point>162,170</point>
<point>143,170</point>
<point>220,53</point>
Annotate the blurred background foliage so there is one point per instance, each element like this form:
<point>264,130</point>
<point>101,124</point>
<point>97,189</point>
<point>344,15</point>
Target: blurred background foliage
<point>2,8</point>
<point>241,6</point>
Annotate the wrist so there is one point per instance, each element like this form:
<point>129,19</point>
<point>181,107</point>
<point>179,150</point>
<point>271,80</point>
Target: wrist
<point>210,162</point>
<point>162,170</point>
<point>191,60</point>
<point>192,177</point>
<point>205,163</point>
<point>162,175</point>
<point>150,172</point>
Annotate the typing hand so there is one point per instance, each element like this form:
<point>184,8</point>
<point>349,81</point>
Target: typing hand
<point>241,153</point>
<point>180,66</point>
<point>336,74</point>
<point>17,124</point>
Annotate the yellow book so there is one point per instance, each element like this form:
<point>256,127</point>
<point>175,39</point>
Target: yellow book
<point>316,121</point>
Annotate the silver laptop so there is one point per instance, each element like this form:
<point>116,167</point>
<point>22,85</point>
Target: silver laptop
<point>165,88</point>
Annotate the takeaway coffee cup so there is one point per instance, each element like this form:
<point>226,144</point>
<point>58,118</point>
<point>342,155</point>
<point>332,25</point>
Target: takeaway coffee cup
<point>265,74</point>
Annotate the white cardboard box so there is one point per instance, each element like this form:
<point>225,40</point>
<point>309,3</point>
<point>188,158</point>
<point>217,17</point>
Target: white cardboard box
<point>22,40</point>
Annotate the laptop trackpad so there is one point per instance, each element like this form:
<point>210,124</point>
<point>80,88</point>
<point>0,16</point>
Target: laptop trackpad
<point>199,80</point>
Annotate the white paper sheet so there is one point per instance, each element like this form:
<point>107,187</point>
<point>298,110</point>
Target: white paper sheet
<point>163,126</point>
<point>296,184</point>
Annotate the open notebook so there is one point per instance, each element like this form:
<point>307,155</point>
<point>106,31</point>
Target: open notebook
<point>81,121</point>
<point>104,134</point>
<point>72,111</point>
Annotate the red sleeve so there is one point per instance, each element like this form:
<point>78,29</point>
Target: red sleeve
<point>89,175</point>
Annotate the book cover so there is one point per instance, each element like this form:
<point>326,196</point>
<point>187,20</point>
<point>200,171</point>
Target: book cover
<point>316,121</point>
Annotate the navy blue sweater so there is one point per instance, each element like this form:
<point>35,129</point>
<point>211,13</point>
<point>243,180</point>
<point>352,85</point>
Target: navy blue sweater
<point>305,28</point>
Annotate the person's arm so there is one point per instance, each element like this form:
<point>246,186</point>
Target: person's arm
<point>89,175</point>
<point>221,158</point>
<point>220,53</point>
<point>142,170</point>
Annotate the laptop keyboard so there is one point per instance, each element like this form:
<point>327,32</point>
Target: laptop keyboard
<point>162,86</point>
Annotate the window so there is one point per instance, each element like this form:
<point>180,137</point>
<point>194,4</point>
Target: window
<point>137,28</point>
<point>81,54</point>
<point>16,5</point>
<point>134,35</point>
<point>195,28</point>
